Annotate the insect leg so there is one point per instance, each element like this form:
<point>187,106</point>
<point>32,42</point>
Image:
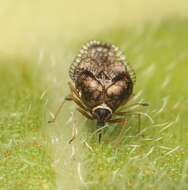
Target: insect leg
<point>135,113</point>
<point>59,109</point>
<point>76,98</point>
<point>121,134</point>
<point>134,105</point>
<point>139,122</point>
<point>73,89</point>
<point>68,98</point>
<point>117,121</point>
<point>137,104</point>
<point>74,134</point>
<point>125,102</point>
<point>130,113</point>
<point>123,122</point>
<point>79,103</point>
<point>85,113</point>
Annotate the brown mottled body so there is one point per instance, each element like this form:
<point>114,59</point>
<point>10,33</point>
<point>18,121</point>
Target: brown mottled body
<point>103,82</point>
<point>102,78</point>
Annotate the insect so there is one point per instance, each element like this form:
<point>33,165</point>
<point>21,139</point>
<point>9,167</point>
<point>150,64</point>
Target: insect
<point>103,82</point>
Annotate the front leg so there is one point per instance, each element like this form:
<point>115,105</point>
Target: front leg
<point>67,98</point>
<point>73,89</point>
<point>133,106</point>
<point>74,130</point>
<point>117,121</point>
<point>123,122</point>
<point>138,114</point>
<point>74,133</point>
<point>85,113</point>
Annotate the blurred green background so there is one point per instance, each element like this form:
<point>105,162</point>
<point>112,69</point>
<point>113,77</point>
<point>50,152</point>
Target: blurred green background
<point>26,25</point>
<point>39,40</point>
